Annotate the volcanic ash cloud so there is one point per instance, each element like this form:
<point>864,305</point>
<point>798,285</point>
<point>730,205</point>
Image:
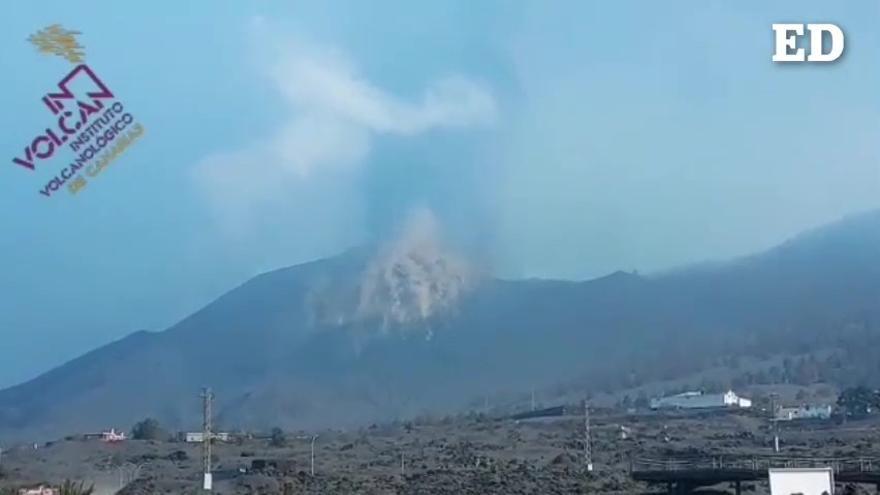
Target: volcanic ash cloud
<point>414,277</point>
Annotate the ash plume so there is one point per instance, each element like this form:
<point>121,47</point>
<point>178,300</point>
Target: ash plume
<point>399,286</point>
<point>415,277</point>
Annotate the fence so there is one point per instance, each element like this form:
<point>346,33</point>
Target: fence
<point>754,463</point>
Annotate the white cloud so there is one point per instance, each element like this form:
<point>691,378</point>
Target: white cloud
<point>334,114</point>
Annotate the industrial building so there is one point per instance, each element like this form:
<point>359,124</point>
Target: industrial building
<point>699,400</point>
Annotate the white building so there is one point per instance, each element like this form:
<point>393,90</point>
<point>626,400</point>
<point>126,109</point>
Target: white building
<point>806,481</point>
<point>699,400</point>
<point>112,436</point>
<point>199,437</point>
<point>803,412</point>
<point>40,490</point>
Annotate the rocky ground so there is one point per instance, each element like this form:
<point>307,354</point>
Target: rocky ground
<point>460,456</point>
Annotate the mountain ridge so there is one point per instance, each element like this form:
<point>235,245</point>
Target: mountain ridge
<point>275,357</point>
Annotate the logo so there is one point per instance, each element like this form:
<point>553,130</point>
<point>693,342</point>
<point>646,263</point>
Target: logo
<point>87,118</point>
<point>787,39</point>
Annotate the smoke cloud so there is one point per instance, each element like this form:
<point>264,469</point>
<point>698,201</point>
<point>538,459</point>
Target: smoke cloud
<point>333,116</point>
<point>416,276</point>
<point>399,287</point>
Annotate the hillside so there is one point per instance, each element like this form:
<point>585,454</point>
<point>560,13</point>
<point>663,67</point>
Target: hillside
<point>409,328</point>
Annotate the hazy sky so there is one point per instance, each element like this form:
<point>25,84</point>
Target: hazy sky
<point>561,139</point>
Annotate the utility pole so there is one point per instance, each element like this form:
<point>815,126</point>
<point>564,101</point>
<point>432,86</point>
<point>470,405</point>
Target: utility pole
<point>588,447</point>
<point>774,422</point>
<point>207,437</point>
<point>533,399</point>
<point>314,437</point>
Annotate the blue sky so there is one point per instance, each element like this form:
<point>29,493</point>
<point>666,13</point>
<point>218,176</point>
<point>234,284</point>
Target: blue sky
<point>558,139</point>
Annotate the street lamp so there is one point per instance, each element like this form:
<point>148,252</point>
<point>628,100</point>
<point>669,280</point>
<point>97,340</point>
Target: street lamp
<point>313,438</point>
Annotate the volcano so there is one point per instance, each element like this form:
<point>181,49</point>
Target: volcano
<point>408,328</point>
